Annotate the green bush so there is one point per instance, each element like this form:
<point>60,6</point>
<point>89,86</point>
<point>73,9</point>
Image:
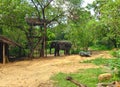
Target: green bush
<point>99,47</point>
<point>75,51</point>
<point>14,51</point>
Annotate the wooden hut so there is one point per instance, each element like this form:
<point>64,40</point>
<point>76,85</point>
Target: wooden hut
<point>4,48</point>
<point>42,23</point>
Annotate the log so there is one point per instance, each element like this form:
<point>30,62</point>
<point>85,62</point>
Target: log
<point>69,78</point>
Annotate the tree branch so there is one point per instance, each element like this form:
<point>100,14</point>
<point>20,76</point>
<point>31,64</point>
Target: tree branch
<point>54,19</point>
<point>36,8</point>
<point>48,4</point>
<point>39,4</point>
<point>43,14</point>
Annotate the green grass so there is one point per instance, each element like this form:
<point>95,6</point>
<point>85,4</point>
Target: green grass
<point>88,77</point>
<point>100,61</point>
<point>111,64</point>
<point>115,53</point>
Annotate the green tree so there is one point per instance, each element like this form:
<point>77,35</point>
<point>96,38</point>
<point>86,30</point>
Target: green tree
<point>111,17</point>
<point>81,30</point>
<point>108,15</point>
<point>13,17</point>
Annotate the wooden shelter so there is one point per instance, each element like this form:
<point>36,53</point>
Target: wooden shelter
<point>36,21</point>
<point>41,40</point>
<point>4,48</point>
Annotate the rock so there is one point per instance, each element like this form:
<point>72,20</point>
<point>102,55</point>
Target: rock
<point>105,76</point>
<point>85,54</point>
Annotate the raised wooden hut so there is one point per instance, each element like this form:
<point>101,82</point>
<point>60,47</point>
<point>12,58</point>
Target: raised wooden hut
<point>36,21</point>
<point>4,48</point>
<point>41,39</point>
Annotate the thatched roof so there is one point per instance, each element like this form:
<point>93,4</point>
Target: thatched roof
<point>36,21</point>
<point>4,39</point>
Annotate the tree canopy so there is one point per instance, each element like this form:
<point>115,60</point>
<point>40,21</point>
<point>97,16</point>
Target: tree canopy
<point>66,20</point>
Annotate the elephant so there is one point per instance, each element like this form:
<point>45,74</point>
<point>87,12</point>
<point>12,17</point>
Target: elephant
<point>60,45</point>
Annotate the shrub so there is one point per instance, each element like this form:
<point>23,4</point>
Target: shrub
<point>99,47</point>
<point>75,51</point>
<point>14,51</point>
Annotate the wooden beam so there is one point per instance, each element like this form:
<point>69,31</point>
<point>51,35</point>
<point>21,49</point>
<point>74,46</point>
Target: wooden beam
<point>4,59</point>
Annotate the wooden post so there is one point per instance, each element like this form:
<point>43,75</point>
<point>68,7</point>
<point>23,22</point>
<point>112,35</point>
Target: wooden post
<point>4,59</point>
<point>45,44</point>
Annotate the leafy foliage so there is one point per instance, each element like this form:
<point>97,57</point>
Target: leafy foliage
<point>68,20</point>
<point>107,14</point>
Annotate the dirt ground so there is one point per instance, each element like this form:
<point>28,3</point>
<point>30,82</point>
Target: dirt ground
<point>37,72</point>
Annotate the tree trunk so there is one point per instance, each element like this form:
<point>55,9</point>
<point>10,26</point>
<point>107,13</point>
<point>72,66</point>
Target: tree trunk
<point>45,42</point>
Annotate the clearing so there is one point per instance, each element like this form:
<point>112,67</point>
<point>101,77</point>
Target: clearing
<point>37,72</point>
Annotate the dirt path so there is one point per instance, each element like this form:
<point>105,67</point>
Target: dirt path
<point>36,73</point>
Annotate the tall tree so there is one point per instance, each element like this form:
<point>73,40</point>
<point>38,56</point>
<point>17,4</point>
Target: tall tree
<point>107,14</point>
<point>13,23</point>
<point>56,12</point>
<point>46,13</point>
<point>79,30</point>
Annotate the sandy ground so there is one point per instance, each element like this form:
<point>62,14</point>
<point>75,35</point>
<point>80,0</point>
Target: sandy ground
<point>37,72</point>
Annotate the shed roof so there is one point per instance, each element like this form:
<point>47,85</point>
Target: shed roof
<point>4,39</point>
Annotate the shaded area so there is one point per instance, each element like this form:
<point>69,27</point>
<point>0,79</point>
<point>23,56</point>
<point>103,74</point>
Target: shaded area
<point>4,48</point>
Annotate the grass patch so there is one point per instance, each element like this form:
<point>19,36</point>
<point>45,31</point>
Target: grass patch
<point>87,76</point>
<point>115,53</point>
<point>100,61</point>
<point>81,76</point>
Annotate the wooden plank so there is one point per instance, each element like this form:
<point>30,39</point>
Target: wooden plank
<point>4,59</point>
